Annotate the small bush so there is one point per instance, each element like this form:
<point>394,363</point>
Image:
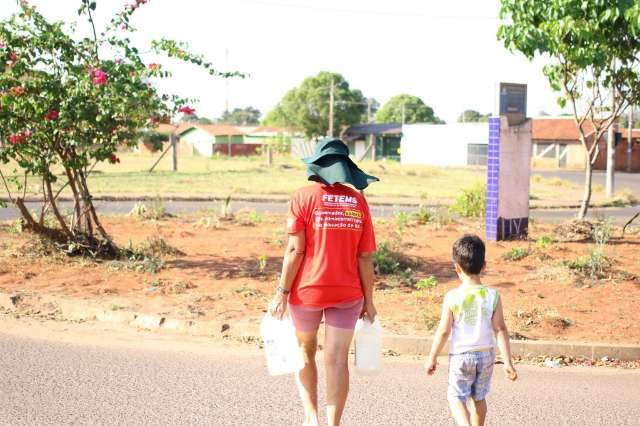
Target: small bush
<point>262,264</point>
<point>515,254</point>
<point>423,215</point>
<point>225,209</point>
<point>428,283</point>
<point>157,246</point>
<point>544,241</point>
<point>155,211</point>
<point>594,266</point>
<point>386,260</point>
<point>429,319</point>
<point>247,217</point>
<point>472,202</point>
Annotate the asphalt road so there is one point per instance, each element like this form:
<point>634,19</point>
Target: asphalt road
<point>622,181</point>
<point>617,215</point>
<point>44,382</point>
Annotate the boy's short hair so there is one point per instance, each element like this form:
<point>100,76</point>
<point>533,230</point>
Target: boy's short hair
<point>468,253</point>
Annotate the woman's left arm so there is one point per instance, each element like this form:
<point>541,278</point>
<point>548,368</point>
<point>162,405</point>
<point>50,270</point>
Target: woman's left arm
<point>293,256</point>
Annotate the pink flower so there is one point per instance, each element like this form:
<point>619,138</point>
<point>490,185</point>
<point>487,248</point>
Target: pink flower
<point>124,27</point>
<point>99,77</point>
<point>17,91</point>
<point>113,159</point>
<point>51,115</point>
<point>154,67</point>
<point>118,61</point>
<point>131,6</point>
<point>2,45</point>
<point>187,110</point>
<point>139,2</point>
<point>20,137</point>
<point>13,57</point>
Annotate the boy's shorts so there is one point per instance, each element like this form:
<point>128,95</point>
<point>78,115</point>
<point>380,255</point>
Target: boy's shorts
<point>344,315</point>
<point>470,375</point>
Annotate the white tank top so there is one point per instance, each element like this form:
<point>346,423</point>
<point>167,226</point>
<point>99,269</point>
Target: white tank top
<point>472,308</point>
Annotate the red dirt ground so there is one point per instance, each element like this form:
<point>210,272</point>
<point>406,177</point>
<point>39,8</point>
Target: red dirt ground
<point>219,278</point>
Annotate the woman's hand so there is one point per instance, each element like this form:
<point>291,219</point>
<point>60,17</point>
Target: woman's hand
<point>369,310</point>
<point>278,305</point>
<point>430,366</point>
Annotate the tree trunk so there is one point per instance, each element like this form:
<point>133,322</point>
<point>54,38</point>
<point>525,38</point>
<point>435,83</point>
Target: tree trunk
<point>54,208</point>
<point>586,197</point>
<point>76,199</point>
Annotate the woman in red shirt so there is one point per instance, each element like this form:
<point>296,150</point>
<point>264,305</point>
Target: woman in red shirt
<point>328,270</point>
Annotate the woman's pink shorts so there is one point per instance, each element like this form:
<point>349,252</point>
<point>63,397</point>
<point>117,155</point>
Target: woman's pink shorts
<point>344,315</point>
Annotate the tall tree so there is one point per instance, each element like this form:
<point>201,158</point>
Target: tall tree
<point>473,116</point>
<point>412,107</point>
<point>241,116</point>
<point>307,107</point>
<point>593,47</point>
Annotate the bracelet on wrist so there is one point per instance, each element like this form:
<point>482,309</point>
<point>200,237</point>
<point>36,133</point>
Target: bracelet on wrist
<point>282,290</point>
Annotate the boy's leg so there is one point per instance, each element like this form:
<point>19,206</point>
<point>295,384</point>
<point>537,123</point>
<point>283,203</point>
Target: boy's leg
<point>481,387</point>
<point>462,373</point>
<point>478,412</point>
<point>459,412</point>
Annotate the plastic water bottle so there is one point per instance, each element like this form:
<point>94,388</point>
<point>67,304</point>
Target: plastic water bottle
<point>368,347</point>
<point>281,346</point>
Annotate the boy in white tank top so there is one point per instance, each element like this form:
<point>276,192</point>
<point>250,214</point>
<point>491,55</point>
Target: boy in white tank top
<point>472,314</point>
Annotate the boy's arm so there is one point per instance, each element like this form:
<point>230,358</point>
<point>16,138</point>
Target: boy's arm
<point>502,335</point>
<point>440,338</point>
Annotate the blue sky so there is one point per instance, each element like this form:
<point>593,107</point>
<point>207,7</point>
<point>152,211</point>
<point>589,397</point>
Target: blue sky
<point>445,52</point>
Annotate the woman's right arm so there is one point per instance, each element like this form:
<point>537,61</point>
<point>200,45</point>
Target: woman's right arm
<point>293,256</point>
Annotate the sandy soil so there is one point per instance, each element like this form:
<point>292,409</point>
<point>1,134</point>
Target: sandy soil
<point>229,270</point>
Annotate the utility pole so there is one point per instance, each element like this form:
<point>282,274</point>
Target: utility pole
<point>331,96</point>
<point>226,82</point>
<point>630,139</point>
<point>174,150</point>
<point>611,151</point>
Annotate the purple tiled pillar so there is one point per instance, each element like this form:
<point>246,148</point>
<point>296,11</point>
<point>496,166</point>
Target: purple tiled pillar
<point>493,173</point>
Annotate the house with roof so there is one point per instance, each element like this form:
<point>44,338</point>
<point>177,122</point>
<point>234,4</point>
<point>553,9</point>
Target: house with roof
<point>556,144</point>
<point>373,141</point>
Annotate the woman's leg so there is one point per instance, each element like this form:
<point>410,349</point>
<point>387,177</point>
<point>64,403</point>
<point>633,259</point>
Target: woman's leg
<point>307,378</point>
<point>306,321</point>
<point>336,361</point>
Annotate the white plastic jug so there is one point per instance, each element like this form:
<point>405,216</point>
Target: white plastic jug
<point>368,347</point>
<point>281,346</point>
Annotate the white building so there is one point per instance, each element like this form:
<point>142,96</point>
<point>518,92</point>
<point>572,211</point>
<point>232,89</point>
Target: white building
<point>458,144</point>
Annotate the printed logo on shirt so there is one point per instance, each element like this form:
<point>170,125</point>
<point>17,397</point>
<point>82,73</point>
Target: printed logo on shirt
<point>337,219</point>
<point>330,200</point>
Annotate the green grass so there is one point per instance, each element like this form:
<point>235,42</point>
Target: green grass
<point>221,176</point>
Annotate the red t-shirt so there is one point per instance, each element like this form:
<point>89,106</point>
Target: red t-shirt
<point>337,225</point>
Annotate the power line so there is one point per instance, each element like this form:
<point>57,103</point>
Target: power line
<point>374,12</point>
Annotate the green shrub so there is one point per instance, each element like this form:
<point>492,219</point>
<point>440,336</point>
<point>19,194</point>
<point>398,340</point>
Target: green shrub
<point>428,283</point>
<point>386,260</point>
<point>515,254</point>
<point>544,241</point>
<point>472,202</point>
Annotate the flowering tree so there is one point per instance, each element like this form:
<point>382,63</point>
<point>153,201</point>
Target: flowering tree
<point>68,104</point>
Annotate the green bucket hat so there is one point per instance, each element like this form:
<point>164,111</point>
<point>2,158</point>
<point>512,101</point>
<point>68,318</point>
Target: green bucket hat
<point>331,164</point>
